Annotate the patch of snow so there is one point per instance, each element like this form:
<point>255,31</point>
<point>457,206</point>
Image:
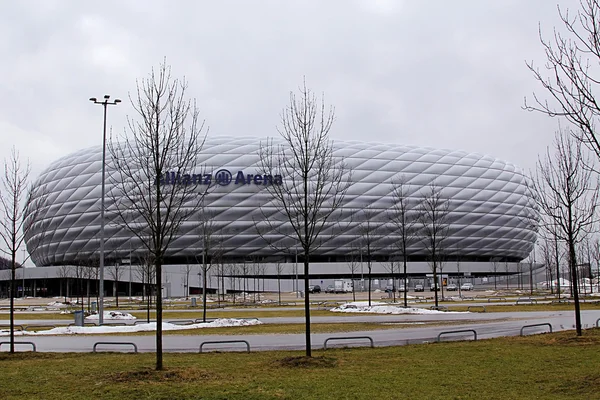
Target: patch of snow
<point>56,304</point>
<point>111,315</point>
<point>149,327</point>
<point>383,308</point>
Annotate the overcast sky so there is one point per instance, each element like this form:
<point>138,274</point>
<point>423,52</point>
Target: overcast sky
<point>446,74</point>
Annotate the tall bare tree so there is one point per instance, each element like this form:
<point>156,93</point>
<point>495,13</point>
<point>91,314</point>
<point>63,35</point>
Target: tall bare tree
<point>596,259</point>
<point>187,268</point>
<point>405,218</point>
<point>279,267</point>
<point>115,272</point>
<point>393,266</point>
<point>314,181</point>
<point>371,233</point>
<point>21,206</point>
<point>155,187</point>
<point>570,78</point>
<point>207,232</point>
<point>353,262</point>
<point>546,252</point>
<point>434,220</point>
<point>566,193</point>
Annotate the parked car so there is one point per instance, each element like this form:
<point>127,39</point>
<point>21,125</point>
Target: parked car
<point>466,286</point>
<point>452,287</point>
<point>314,289</point>
<point>401,288</point>
<point>434,288</point>
<point>330,289</point>
<point>419,288</point>
<point>389,289</point>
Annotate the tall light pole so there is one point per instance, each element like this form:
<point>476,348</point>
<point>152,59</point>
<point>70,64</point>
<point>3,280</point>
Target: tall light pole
<point>105,103</point>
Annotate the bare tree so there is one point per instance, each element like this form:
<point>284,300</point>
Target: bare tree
<point>64,273</point>
<point>115,272</point>
<point>207,231</point>
<point>506,273</point>
<point>155,178</point>
<point>353,262</point>
<point>78,272</point>
<point>187,268</point>
<point>434,220</point>
<point>571,79</point>
<point>546,249</point>
<point>393,267</point>
<point>279,266</point>
<point>313,182</point>
<point>21,206</point>
<point>405,218</point>
<point>596,258</point>
<point>146,273</point>
<point>90,274</point>
<point>495,269</point>
<point>566,193</point>
<point>370,230</point>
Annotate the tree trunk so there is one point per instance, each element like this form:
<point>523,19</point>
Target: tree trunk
<point>159,352</point>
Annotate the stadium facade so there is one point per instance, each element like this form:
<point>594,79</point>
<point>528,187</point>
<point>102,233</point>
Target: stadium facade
<point>491,212</point>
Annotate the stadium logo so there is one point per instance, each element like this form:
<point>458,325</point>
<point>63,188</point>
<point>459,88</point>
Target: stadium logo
<point>222,177</point>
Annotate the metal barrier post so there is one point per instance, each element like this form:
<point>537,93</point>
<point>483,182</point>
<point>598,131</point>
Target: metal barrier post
<point>225,341</point>
<point>459,331</point>
<point>370,339</point>
<point>534,325</point>
<point>135,349</point>
<point>16,343</point>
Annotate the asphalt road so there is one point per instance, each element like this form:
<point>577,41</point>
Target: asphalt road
<point>486,325</point>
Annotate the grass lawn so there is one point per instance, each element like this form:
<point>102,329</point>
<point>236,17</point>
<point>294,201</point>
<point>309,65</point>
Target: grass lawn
<point>548,366</point>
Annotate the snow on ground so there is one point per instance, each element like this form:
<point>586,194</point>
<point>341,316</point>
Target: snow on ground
<point>110,315</point>
<point>56,304</point>
<point>384,308</point>
<point>150,327</point>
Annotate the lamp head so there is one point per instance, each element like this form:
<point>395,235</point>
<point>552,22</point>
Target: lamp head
<point>117,101</point>
<point>107,96</point>
<point>93,99</point>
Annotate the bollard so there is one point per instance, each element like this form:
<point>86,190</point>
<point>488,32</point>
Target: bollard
<point>78,318</point>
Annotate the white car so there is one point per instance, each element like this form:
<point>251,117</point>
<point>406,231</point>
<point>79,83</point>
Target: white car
<point>466,286</point>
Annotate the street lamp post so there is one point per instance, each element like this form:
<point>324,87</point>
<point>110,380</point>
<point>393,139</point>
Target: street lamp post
<point>105,103</point>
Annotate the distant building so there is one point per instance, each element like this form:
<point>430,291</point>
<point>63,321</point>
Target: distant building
<point>491,211</point>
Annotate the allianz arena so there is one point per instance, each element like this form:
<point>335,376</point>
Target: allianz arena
<point>490,210</point>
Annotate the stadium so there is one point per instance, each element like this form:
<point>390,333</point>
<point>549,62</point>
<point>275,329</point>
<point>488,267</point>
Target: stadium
<point>490,212</point>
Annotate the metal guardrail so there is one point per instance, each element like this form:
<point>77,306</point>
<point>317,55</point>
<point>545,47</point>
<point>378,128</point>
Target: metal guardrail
<point>370,339</point>
<point>526,300</point>
<point>459,331</point>
<point>534,325</point>
<point>470,307</point>
<point>490,299</point>
<point>16,327</point>
<point>16,343</point>
<point>135,349</point>
<point>598,323</point>
<point>38,327</point>
<point>225,341</point>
